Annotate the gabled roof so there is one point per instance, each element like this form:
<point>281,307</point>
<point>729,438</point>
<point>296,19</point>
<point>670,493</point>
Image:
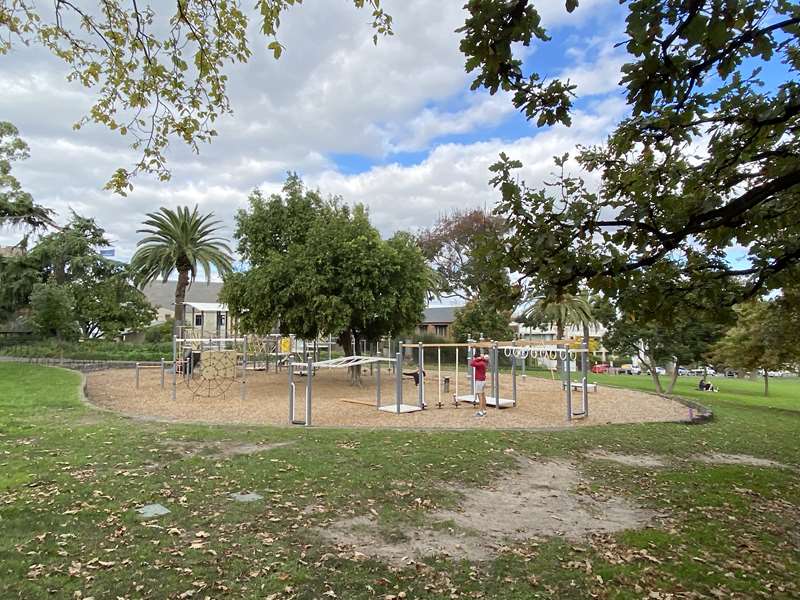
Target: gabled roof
<point>440,314</point>
<point>163,294</point>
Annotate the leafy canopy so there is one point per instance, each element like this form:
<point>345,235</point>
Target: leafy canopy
<point>317,266</point>
<point>159,73</point>
<point>70,288</point>
<point>478,319</point>
<point>707,160</point>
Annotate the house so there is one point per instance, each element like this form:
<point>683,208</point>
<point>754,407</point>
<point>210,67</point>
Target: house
<point>203,310</point>
<point>437,320</point>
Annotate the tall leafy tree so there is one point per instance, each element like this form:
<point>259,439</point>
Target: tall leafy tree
<point>17,208</point>
<point>317,266</point>
<point>665,318</point>
<point>183,241</point>
<point>53,310</point>
<point>478,318</point>
<point>158,69</point>
<point>98,293</point>
<point>761,339</point>
<point>708,157</point>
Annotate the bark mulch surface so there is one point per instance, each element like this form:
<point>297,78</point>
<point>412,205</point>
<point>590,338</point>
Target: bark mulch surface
<point>337,403</point>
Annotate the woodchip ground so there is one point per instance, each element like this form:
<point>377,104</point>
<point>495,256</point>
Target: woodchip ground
<point>337,403</point>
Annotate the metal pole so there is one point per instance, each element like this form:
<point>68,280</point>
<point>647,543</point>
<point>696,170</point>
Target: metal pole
<point>398,376</point>
<point>439,377</point>
<point>513,377</point>
<point>330,346</point>
<point>378,385</point>
<point>585,372</point>
<point>290,369</point>
<point>137,375</point>
<point>174,369</point>
<point>244,366</point>
<point>162,372</point>
<point>309,380</point>
<point>420,376</point>
<point>471,372</point>
<point>496,375</point>
<point>569,385</point>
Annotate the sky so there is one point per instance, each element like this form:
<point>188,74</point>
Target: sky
<point>392,126</point>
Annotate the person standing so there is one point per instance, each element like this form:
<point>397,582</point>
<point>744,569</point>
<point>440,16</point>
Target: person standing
<point>480,364</point>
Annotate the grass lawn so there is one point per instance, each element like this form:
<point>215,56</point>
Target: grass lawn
<point>71,477</point>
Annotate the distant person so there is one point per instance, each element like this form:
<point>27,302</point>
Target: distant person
<point>479,363</point>
<point>706,387</point>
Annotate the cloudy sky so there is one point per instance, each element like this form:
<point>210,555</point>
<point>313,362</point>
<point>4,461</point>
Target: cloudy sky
<point>394,126</point>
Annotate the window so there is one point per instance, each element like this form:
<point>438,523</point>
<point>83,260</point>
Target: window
<point>198,320</point>
<point>441,330</point>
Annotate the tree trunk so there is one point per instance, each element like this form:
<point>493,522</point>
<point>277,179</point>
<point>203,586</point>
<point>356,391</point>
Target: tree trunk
<point>180,296</point>
<point>766,383</point>
<point>656,379</point>
<point>674,378</point>
<point>560,336</point>
<point>349,343</point>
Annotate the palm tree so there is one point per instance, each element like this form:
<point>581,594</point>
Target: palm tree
<point>179,241</point>
<point>562,309</point>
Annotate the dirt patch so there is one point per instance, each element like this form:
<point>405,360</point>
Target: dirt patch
<point>542,499</point>
<point>221,449</point>
<point>629,460</point>
<point>718,458</point>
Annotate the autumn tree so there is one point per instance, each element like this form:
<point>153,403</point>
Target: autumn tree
<point>466,250</point>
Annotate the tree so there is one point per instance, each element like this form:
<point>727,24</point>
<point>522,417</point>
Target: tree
<point>102,299</point>
<point>761,339</point>
<point>662,318</point>
<point>182,241</point>
<point>107,303</point>
<point>17,208</point>
<point>160,74</point>
<point>317,266</point>
<point>53,310</point>
<point>481,319</point>
<point>465,249</point>
<point>708,158</point>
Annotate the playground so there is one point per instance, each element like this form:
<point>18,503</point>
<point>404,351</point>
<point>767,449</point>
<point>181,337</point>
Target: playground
<point>263,400</point>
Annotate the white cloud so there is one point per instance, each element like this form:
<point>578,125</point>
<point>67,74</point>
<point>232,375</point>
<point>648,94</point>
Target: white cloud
<point>332,92</point>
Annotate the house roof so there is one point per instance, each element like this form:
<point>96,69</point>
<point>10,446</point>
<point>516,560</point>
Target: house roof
<point>162,294</point>
<point>440,314</point>
<point>207,306</point>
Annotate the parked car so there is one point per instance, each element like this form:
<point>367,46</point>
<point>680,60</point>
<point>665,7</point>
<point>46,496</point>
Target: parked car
<point>660,371</point>
<point>600,368</point>
<point>683,371</point>
<point>630,370</point>
<point>701,371</point>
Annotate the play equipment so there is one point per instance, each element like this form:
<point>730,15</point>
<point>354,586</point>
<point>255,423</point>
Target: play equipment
<point>150,365</point>
<point>310,367</point>
<point>209,366</point>
<point>563,350</point>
